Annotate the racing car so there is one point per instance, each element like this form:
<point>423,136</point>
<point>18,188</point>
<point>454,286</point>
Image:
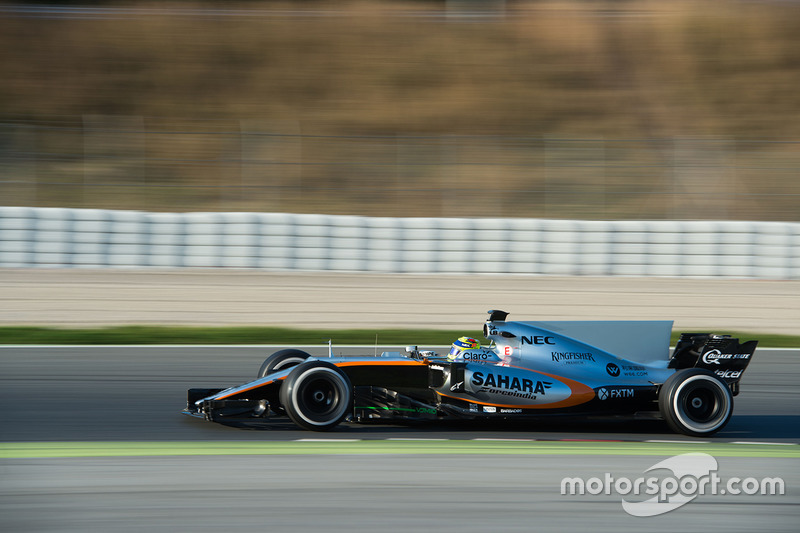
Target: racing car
<point>527,370</point>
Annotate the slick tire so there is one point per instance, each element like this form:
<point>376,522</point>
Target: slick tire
<point>281,360</point>
<point>317,395</point>
<point>695,402</point>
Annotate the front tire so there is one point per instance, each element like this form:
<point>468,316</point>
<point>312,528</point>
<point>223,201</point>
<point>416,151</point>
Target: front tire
<point>317,395</point>
<point>281,360</point>
<point>695,402</point>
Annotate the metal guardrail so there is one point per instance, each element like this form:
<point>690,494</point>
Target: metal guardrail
<point>88,238</point>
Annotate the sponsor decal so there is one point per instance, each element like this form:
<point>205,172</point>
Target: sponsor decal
<point>633,370</point>
<point>473,408</point>
<point>537,339</point>
<point>613,393</point>
<point>437,367</point>
<point>510,385</point>
<point>612,369</point>
<point>713,357</point>
<point>489,409</point>
<point>571,357</point>
<point>510,410</point>
<point>732,374</point>
<point>477,356</point>
<point>458,386</point>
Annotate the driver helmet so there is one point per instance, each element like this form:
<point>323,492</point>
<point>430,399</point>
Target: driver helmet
<point>463,343</point>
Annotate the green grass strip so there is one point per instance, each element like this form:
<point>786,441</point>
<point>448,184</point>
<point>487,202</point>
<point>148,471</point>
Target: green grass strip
<point>273,335</point>
<point>132,335</point>
<point>40,450</point>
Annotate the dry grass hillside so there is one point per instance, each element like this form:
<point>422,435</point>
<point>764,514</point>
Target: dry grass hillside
<point>373,107</point>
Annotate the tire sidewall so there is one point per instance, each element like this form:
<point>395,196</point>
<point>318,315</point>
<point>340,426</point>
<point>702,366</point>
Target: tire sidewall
<point>295,387</point>
<point>282,360</point>
<point>673,396</point>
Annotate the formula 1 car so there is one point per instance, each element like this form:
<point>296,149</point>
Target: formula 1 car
<point>529,369</point>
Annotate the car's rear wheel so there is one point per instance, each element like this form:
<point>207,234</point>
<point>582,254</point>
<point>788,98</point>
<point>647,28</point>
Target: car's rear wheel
<point>317,395</point>
<point>695,402</point>
<point>282,360</point>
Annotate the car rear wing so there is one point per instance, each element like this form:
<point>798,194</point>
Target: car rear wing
<point>722,354</point>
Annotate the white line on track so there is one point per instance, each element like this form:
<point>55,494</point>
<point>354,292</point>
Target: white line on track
<point>499,439</point>
<point>765,443</point>
<point>325,346</point>
<point>678,441</point>
<point>504,440</point>
<point>327,440</point>
<point>416,439</point>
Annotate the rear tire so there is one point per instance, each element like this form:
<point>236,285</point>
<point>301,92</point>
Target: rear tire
<point>317,395</point>
<point>695,402</point>
<point>281,360</point>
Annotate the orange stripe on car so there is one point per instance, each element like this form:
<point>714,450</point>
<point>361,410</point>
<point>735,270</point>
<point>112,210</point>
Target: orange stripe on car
<point>579,393</point>
<point>338,363</point>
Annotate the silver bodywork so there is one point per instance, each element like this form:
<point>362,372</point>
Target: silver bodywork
<point>525,368</point>
<point>544,365</point>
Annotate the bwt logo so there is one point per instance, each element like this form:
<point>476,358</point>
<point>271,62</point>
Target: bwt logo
<point>537,339</point>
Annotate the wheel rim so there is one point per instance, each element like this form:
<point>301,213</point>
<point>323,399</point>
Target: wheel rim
<point>319,398</point>
<point>701,404</point>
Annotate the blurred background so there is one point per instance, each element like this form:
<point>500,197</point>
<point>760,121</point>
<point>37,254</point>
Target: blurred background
<point>552,109</point>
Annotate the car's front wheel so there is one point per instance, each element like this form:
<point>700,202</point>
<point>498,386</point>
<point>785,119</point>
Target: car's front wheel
<point>317,395</point>
<point>281,360</point>
<point>695,402</point>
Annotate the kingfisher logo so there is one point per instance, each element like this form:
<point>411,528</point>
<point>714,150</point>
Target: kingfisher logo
<point>571,357</point>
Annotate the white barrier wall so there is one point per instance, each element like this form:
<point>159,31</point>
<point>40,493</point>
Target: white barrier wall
<point>69,238</point>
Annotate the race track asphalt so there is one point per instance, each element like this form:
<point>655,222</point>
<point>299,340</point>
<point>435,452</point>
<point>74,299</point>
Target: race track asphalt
<point>134,394</point>
<point>346,493</point>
